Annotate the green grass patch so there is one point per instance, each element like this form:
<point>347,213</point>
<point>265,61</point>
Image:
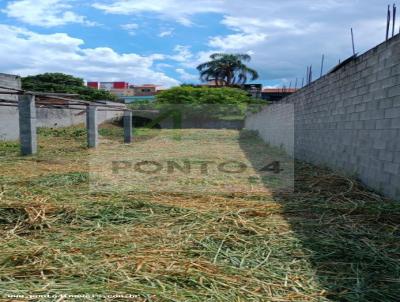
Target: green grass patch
<point>67,132</point>
<point>61,180</point>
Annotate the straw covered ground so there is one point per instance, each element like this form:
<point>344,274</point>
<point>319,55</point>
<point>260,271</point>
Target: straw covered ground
<point>329,239</point>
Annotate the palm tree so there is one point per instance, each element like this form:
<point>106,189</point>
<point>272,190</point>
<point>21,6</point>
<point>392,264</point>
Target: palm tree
<point>227,69</point>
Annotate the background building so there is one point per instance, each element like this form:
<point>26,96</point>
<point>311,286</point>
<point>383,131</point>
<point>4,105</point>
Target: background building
<point>94,85</point>
<point>130,93</point>
<point>276,94</point>
<point>255,90</point>
<point>122,92</point>
<point>144,90</point>
<point>127,92</point>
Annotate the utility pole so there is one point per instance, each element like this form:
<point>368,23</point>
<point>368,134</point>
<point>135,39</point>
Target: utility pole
<point>322,64</point>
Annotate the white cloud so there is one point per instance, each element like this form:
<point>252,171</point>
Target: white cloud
<point>327,4</point>
<point>166,33</point>
<point>237,41</point>
<point>185,76</point>
<point>185,21</point>
<point>31,53</point>
<point>245,24</point>
<point>161,66</point>
<point>130,28</point>
<point>46,13</point>
<point>270,27</point>
<point>194,59</point>
<point>183,53</point>
<point>254,24</point>
<point>178,10</point>
<point>122,7</point>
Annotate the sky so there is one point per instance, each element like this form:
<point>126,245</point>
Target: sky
<point>162,41</point>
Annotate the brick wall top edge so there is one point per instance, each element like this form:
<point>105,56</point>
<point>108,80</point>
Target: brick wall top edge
<point>359,59</point>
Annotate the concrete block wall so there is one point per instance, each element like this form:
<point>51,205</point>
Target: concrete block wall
<point>50,118</point>
<point>11,81</point>
<point>9,128</point>
<point>349,120</point>
<point>58,118</point>
<point>275,125</point>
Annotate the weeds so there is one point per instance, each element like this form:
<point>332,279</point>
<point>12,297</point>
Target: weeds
<point>328,240</point>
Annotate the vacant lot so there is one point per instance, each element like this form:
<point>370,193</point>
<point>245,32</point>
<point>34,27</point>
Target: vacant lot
<point>244,236</point>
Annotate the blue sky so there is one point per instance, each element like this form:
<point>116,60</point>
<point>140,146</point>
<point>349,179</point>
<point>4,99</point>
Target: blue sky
<point>162,41</point>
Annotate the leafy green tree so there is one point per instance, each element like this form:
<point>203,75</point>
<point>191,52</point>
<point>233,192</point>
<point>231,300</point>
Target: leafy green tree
<point>206,102</point>
<point>227,69</point>
<point>63,83</point>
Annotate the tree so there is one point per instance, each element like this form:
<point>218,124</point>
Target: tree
<point>227,69</point>
<point>63,83</point>
<point>205,102</point>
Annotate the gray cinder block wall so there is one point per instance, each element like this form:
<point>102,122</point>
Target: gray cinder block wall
<point>348,120</point>
<point>51,118</point>
<point>275,125</point>
<point>9,128</point>
<point>11,81</point>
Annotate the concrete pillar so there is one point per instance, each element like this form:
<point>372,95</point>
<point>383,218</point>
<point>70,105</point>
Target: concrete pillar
<point>27,124</point>
<point>91,126</point>
<point>128,126</point>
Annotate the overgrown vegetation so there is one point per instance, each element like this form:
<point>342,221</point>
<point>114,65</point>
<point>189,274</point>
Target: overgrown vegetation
<point>328,240</point>
<point>204,95</point>
<point>63,83</point>
<point>207,102</point>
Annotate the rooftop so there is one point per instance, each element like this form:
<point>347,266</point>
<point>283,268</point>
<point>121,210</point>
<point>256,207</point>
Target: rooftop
<point>279,90</point>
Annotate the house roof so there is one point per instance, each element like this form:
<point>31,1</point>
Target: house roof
<point>279,90</point>
<point>144,86</point>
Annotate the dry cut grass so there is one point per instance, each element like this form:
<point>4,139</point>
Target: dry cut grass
<point>329,239</point>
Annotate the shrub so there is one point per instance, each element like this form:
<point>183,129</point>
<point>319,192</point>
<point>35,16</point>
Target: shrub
<point>204,95</point>
<point>206,102</point>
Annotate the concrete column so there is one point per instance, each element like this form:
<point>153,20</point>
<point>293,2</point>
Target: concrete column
<point>27,124</point>
<point>91,126</point>
<point>128,126</point>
